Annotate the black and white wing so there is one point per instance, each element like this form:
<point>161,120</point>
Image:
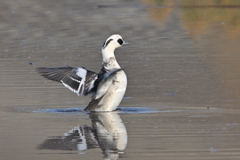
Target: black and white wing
<point>79,80</point>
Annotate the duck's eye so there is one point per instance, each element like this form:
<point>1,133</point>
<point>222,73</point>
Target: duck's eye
<point>120,41</point>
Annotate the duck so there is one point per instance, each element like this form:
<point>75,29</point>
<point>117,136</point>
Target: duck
<point>107,87</point>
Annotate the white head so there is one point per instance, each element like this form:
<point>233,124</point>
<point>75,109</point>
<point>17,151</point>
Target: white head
<point>113,42</point>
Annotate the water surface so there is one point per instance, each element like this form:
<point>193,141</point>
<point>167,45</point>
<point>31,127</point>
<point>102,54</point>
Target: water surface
<point>182,100</point>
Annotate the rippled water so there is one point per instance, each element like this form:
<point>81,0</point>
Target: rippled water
<point>183,69</point>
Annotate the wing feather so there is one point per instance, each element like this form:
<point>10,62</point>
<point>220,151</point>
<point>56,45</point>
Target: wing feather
<point>79,80</point>
<point>55,74</point>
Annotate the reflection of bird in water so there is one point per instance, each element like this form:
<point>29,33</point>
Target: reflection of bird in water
<point>107,132</point>
<point>111,133</point>
<point>107,87</point>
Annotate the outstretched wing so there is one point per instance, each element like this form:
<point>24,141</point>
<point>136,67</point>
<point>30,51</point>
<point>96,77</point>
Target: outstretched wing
<point>79,80</point>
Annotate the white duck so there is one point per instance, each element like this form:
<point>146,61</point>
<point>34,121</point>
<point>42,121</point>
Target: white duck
<point>107,87</point>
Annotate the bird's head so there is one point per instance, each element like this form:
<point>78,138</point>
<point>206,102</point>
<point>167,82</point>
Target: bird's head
<point>114,42</point>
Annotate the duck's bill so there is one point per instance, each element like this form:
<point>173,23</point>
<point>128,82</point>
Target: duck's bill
<point>125,43</point>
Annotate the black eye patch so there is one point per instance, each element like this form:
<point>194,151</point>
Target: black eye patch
<point>120,41</point>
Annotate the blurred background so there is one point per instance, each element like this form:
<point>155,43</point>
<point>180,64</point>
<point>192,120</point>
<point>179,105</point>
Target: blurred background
<point>183,63</point>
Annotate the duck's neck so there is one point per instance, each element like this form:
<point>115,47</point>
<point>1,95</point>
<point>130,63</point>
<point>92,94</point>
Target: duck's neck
<point>109,60</point>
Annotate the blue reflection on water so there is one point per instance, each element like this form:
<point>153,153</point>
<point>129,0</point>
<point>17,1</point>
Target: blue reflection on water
<point>120,110</point>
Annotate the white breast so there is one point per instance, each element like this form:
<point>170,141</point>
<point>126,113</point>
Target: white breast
<point>115,93</point>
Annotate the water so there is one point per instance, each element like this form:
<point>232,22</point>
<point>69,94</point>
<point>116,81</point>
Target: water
<point>182,100</point>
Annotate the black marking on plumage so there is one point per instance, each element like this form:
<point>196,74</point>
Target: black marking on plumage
<point>81,88</point>
<point>55,74</point>
<point>110,74</point>
<point>104,71</point>
<point>88,82</point>
<point>109,64</point>
<point>120,41</point>
<point>72,80</point>
<point>106,43</point>
<point>98,78</point>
